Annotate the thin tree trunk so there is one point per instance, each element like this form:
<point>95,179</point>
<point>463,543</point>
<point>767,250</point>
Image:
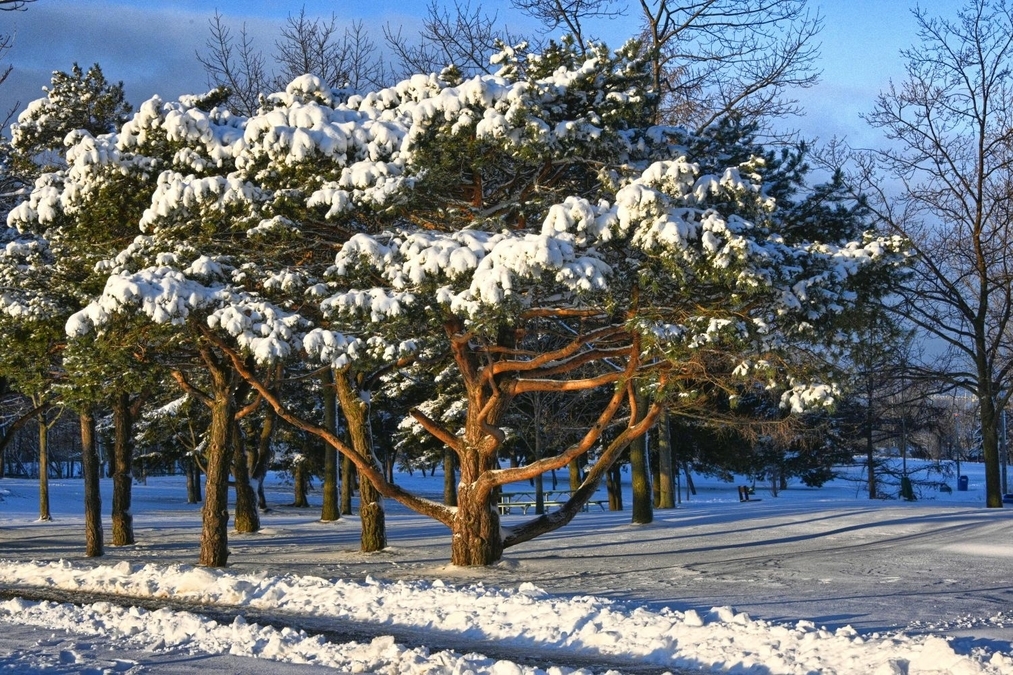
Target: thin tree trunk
<point>653,466</point>
<point>123,451</point>
<point>539,483</point>
<point>214,545</point>
<point>44,513</point>
<point>92,495</point>
<point>371,514</point>
<point>299,497</point>
<point>990,448</point>
<point>193,491</point>
<point>574,470</point>
<point>449,478</point>
<point>247,514</point>
<point>265,456</point>
<point>347,485</point>
<point>870,454</point>
<point>640,476</point>
<point>643,506</point>
<point>614,485</point>
<point>666,477</point>
<point>331,509</point>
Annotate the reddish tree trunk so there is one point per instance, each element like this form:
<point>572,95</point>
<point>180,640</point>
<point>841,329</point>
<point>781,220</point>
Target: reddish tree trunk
<point>214,544</point>
<point>92,496</point>
<point>476,537</point>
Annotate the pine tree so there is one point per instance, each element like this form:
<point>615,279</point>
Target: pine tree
<point>531,226</point>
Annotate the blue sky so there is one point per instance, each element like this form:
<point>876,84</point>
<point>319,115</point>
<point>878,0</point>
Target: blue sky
<point>150,44</point>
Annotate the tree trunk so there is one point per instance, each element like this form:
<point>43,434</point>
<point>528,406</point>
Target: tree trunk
<point>990,450</point>
<point>347,485</point>
<point>371,515</point>
<point>300,480</point>
<point>193,492</point>
<point>92,495</point>
<point>247,514</point>
<point>449,478</point>
<point>44,513</point>
<point>574,470</point>
<point>690,488</point>
<point>870,454</point>
<point>265,456</point>
<point>640,478</point>
<point>476,537</point>
<point>123,456</point>
<point>331,509</point>
<point>653,464</point>
<point>666,476</point>
<point>614,485</point>
<point>214,545</point>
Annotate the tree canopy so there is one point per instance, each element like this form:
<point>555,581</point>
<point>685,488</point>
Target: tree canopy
<point>532,228</point>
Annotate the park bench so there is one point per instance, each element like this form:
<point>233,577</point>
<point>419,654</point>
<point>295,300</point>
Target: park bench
<point>551,498</point>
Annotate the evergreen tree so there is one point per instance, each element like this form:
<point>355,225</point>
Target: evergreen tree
<point>74,101</point>
<point>531,226</point>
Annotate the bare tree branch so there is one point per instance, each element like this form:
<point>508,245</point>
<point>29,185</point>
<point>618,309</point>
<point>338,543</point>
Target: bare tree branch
<point>945,182</point>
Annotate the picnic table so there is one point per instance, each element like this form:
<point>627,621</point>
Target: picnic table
<point>525,499</point>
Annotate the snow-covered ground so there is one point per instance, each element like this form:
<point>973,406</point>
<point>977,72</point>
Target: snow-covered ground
<point>812,581</point>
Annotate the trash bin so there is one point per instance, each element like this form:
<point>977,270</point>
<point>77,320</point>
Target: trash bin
<point>962,483</point>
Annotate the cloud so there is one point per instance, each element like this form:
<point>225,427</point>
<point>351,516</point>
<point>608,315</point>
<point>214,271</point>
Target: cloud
<point>149,46</point>
<point>150,50</point>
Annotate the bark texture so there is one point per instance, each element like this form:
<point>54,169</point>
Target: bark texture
<point>666,474</point>
<point>92,497</point>
<point>193,490</point>
<point>331,509</point>
<point>449,478</point>
<point>371,515</point>
<point>640,478</point>
<point>123,479</point>
<point>214,544</point>
<point>300,481</point>
<point>247,514</point>
<point>347,485</point>
<point>44,513</point>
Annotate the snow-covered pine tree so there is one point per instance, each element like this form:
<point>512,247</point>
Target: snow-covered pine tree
<point>46,262</point>
<point>74,101</point>
<point>469,217</point>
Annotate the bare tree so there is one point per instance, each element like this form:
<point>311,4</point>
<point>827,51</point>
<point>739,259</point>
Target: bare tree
<point>341,57</point>
<point>716,57</point>
<point>364,65</point>
<point>462,36</point>
<point>945,183</point>
<point>711,58</point>
<point>569,14</point>
<point>235,64</point>
<point>9,184</point>
<point>311,46</point>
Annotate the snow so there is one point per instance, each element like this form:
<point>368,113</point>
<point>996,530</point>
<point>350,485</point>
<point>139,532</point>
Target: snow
<point>814,580</point>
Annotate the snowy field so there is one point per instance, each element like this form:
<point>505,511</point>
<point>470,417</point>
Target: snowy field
<point>811,581</point>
